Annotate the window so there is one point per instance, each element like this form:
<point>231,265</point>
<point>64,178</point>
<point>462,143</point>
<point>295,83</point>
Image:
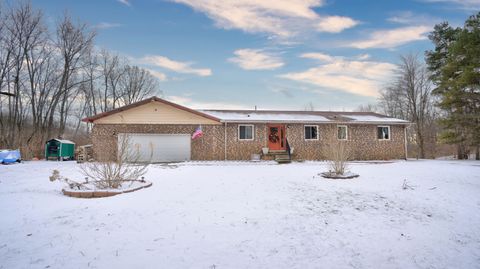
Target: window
<point>311,132</point>
<point>342,132</point>
<point>245,132</point>
<point>383,132</point>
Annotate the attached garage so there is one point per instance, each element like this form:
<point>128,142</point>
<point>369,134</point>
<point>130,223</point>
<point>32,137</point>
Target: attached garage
<point>157,131</point>
<point>158,147</point>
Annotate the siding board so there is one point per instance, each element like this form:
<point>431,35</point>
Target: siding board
<point>155,113</point>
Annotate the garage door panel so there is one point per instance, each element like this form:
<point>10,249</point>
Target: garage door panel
<point>159,147</point>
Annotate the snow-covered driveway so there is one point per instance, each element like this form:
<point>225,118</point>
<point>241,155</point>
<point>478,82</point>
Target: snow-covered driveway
<point>247,215</point>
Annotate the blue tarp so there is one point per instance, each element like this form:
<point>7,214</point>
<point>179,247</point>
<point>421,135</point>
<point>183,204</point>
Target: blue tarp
<point>9,156</point>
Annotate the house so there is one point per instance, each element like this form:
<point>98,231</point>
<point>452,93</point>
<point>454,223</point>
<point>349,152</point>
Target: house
<point>162,131</point>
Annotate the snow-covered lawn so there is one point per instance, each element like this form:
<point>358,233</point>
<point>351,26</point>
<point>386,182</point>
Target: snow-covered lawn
<point>247,215</point>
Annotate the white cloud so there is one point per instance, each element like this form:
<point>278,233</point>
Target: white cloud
<point>318,56</point>
<point>335,24</point>
<point>189,102</point>
<point>473,5</point>
<point>392,38</point>
<point>161,76</point>
<point>363,56</point>
<point>280,18</point>
<point>359,77</point>
<point>404,17</point>
<point>255,59</point>
<point>107,25</point>
<point>411,18</point>
<point>125,2</point>
<point>180,67</point>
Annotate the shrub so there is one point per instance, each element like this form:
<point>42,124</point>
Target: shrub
<point>112,174</point>
<point>109,175</point>
<point>338,155</point>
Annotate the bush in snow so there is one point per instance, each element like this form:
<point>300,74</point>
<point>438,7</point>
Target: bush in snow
<point>109,175</point>
<point>338,155</point>
<point>106,175</point>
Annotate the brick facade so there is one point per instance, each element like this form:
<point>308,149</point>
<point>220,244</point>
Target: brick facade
<point>362,140</point>
<point>209,147</point>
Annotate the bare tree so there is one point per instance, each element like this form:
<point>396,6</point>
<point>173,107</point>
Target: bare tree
<point>136,84</point>
<point>118,83</point>
<point>112,174</point>
<point>73,41</point>
<point>409,97</point>
<point>309,107</point>
<point>6,65</point>
<point>109,66</point>
<point>366,108</point>
<point>6,50</point>
<point>392,102</point>
<point>23,33</point>
<point>50,80</point>
<point>40,65</point>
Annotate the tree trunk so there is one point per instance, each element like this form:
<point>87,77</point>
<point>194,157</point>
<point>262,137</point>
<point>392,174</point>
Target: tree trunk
<point>421,143</point>
<point>460,152</point>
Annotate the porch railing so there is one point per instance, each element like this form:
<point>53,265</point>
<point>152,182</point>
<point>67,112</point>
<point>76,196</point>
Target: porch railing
<point>288,149</point>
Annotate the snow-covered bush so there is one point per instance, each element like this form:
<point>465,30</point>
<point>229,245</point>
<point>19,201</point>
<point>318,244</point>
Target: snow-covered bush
<point>338,155</point>
<point>113,174</point>
<point>109,175</point>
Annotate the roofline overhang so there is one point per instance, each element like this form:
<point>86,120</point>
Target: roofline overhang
<point>318,122</point>
<point>92,119</point>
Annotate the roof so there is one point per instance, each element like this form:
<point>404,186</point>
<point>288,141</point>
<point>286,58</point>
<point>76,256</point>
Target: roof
<point>146,101</point>
<point>267,115</point>
<point>63,141</point>
<point>302,116</point>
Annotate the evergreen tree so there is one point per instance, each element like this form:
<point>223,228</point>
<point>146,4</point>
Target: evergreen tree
<point>455,68</point>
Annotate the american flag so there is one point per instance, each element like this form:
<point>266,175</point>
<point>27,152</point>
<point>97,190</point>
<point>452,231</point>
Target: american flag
<point>198,133</point>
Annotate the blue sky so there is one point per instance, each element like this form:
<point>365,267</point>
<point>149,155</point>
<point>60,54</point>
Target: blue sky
<point>274,54</point>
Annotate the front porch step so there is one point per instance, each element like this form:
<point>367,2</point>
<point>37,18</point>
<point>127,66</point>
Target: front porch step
<point>275,152</point>
<point>282,158</point>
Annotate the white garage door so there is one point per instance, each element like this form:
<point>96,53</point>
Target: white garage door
<point>158,147</point>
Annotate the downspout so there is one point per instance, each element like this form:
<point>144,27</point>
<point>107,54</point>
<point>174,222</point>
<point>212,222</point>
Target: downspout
<point>225,142</point>
<point>405,136</point>
<point>60,152</point>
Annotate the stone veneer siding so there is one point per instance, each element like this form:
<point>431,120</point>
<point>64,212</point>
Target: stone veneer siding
<point>243,149</point>
<point>362,140</point>
<point>208,147</point>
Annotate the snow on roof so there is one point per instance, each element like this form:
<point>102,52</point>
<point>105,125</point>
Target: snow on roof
<point>373,118</point>
<point>264,116</point>
<point>64,141</point>
<point>300,116</point>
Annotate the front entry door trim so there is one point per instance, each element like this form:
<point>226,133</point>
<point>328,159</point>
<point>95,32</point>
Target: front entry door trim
<point>276,137</point>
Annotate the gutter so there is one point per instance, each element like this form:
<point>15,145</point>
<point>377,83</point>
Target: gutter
<point>318,122</point>
<point>405,143</point>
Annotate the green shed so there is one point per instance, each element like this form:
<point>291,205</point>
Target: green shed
<point>59,149</point>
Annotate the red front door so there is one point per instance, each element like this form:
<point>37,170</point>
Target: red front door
<point>276,137</point>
